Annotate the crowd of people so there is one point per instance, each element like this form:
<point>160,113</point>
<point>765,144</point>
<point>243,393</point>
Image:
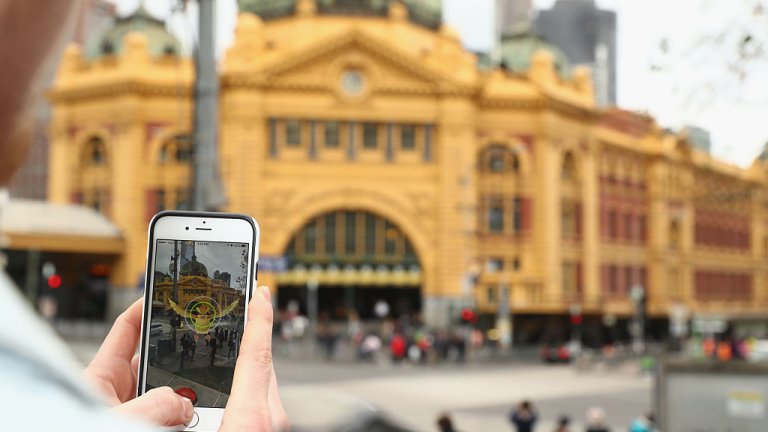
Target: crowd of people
<point>403,340</point>
<point>525,417</point>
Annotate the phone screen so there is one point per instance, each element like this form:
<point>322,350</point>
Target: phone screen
<point>197,318</point>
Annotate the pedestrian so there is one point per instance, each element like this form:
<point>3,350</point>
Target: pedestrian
<point>213,352</point>
<point>184,346</point>
<point>596,420</point>
<point>445,424</point>
<point>562,424</point>
<point>644,423</point>
<point>461,348</point>
<point>524,417</point>
<point>231,347</point>
<point>221,339</point>
<point>226,334</point>
<point>207,338</point>
<point>192,348</point>
<point>397,347</point>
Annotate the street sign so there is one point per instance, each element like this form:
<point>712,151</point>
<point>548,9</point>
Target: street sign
<point>273,264</point>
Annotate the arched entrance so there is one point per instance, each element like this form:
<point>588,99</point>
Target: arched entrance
<point>356,258</point>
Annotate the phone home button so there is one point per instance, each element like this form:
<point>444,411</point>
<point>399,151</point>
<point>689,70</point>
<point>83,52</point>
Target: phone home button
<point>195,420</point>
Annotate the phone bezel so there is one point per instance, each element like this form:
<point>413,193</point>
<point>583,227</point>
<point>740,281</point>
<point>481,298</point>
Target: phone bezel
<point>218,227</point>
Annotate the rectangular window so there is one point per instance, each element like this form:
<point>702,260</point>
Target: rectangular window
<point>568,220</point>
<point>392,236</point>
<point>370,234</point>
<point>491,295</point>
<point>517,215</point>
<point>293,133</point>
<point>642,228</point>
<point>496,218</point>
<point>349,233</point>
<point>370,135</point>
<point>516,264</point>
<point>612,229</point>
<point>613,279</point>
<point>629,229</point>
<point>330,234</point>
<point>494,265</point>
<point>629,278</point>
<point>331,134</point>
<point>408,137</point>
<point>310,243</point>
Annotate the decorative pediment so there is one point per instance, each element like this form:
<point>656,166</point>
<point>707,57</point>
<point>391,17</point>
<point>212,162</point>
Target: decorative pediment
<point>354,64</point>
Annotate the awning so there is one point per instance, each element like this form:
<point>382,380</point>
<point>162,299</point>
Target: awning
<point>407,278</point>
<point>40,225</point>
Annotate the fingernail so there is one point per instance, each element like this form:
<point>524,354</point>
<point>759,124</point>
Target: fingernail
<point>267,294</point>
<point>189,409</point>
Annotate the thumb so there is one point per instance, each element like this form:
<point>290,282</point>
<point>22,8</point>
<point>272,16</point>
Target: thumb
<point>160,407</point>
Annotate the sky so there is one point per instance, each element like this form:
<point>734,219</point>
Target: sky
<point>737,118</point>
<point>214,256</point>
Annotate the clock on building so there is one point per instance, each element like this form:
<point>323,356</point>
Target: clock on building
<point>352,82</point>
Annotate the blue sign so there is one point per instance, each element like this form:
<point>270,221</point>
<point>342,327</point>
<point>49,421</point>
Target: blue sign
<point>273,264</point>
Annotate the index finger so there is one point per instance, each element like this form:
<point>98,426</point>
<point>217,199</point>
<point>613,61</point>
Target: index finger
<point>248,404</point>
<point>124,335</point>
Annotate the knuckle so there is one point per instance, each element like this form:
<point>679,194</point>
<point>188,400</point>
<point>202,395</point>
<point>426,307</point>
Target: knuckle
<point>166,400</point>
<point>262,356</point>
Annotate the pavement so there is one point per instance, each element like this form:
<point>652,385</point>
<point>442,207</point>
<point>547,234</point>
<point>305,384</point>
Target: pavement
<point>478,397</point>
<point>319,395</point>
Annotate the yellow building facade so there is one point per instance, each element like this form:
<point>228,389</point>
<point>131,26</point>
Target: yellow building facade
<point>376,155</point>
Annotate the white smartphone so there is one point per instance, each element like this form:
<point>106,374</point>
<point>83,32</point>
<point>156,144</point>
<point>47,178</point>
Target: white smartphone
<point>201,270</point>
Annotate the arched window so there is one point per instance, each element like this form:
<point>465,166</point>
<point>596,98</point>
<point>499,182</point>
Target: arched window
<point>568,171</point>
<point>499,159</point>
<point>177,149</point>
<point>496,219</point>
<point>496,162</point>
<point>95,152</point>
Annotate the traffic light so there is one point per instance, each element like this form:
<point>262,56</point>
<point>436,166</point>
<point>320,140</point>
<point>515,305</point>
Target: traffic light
<point>469,316</point>
<point>577,319</point>
<point>54,281</point>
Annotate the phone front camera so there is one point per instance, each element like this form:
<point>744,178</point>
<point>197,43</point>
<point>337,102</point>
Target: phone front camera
<point>187,228</point>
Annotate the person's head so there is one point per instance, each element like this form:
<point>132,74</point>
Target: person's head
<point>525,405</point>
<point>32,36</point>
<point>563,421</point>
<point>444,423</point>
<point>595,416</point>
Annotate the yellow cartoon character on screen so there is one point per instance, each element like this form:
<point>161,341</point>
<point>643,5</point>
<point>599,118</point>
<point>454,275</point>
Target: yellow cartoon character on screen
<point>202,313</point>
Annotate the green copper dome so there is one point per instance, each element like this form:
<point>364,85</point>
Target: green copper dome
<point>193,268</point>
<point>519,44</point>
<point>160,40</point>
<point>427,13</point>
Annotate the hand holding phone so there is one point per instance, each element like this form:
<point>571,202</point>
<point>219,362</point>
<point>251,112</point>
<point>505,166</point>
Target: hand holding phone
<point>255,401</point>
<point>212,270</point>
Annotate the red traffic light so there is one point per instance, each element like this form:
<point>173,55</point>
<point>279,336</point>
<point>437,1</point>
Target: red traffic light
<point>577,319</point>
<point>469,315</point>
<point>54,281</point>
